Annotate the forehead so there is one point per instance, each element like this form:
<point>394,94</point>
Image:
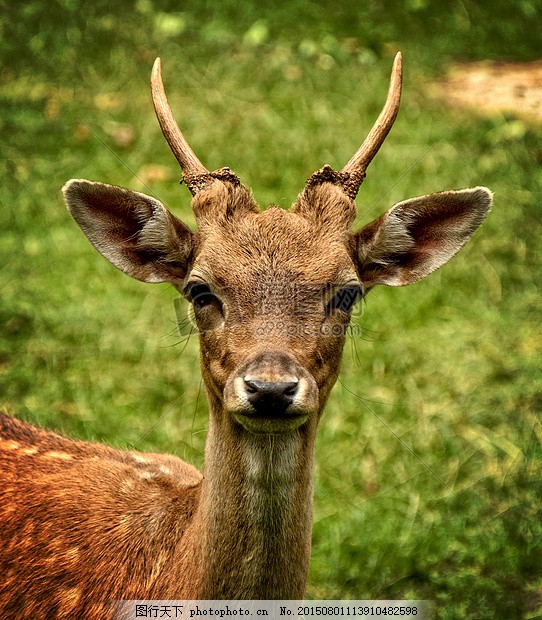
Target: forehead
<point>274,245</point>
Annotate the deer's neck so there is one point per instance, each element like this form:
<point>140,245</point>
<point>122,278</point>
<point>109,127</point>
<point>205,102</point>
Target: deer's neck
<point>255,514</point>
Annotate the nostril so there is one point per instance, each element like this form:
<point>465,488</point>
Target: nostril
<point>251,386</point>
<point>290,388</point>
<point>270,393</point>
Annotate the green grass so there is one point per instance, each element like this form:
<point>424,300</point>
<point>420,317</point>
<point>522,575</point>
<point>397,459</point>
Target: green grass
<point>428,474</point>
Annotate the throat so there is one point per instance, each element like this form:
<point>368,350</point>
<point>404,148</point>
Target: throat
<point>271,481</point>
<point>257,510</point>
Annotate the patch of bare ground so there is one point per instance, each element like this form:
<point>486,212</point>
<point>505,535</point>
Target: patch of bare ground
<point>490,88</point>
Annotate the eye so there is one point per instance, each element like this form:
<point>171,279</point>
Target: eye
<point>200,295</point>
<point>345,298</point>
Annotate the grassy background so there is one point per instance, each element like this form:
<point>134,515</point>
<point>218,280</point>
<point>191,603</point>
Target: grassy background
<point>428,476</point>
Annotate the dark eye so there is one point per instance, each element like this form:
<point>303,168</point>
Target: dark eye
<point>345,298</point>
<point>200,295</point>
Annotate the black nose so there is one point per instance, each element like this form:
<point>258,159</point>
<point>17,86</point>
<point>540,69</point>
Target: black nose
<point>270,397</point>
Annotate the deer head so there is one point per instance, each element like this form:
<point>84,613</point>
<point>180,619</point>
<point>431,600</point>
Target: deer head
<point>272,291</point>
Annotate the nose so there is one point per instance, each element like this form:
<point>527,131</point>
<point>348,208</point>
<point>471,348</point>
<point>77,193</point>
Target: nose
<point>270,397</point>
<point>271,393</point>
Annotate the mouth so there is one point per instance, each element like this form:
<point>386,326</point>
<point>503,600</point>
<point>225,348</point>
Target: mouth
<point>267,423</point>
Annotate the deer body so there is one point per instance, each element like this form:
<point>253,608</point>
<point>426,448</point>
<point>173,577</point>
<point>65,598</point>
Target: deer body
<point>272,291</point>
<point>145,525</point>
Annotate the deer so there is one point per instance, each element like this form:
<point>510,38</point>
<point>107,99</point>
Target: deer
<point>272,293</point>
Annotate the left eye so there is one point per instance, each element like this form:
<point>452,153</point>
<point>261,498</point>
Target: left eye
<point>345,299</point>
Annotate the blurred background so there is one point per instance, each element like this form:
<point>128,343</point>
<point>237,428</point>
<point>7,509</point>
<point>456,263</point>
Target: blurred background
<point>428,466</point>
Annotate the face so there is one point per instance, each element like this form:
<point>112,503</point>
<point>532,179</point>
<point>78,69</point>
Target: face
<point>272,291</point>
<point>272,295</point>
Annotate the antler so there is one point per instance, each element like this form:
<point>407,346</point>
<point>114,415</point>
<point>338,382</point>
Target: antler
<point>186,157</point>
<point>351,176</point>
<point>357,166</point>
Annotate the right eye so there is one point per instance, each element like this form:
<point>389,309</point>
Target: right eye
<point>200,296</point>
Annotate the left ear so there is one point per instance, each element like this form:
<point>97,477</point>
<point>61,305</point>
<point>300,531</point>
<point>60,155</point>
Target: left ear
<point>417,236</point>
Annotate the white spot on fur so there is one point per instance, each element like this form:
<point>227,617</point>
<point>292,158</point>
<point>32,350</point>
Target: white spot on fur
<point>29,451</point>
<point>126,486</point>
<point>9,444</point>
<point>140,459</point>
<point>148,475</point>
<point>54,454</point>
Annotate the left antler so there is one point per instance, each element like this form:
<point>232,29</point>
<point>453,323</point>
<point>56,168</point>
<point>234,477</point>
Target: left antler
<point>355,169</point>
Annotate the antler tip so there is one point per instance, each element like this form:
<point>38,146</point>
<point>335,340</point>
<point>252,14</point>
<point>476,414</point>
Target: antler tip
<point>398,62</point>
<point>157,66</point>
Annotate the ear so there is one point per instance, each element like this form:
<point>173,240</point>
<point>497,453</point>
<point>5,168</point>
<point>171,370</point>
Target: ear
<point>417,236</point>
<point>133,231</point>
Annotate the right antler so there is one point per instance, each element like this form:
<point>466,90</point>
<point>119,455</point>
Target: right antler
<point>186,157</point>
<point>364,155</point>
<point>352,174</point>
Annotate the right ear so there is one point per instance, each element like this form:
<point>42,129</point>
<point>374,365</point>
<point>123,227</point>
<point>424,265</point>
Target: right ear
<point>133,231</point>
<point>419,235</point>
